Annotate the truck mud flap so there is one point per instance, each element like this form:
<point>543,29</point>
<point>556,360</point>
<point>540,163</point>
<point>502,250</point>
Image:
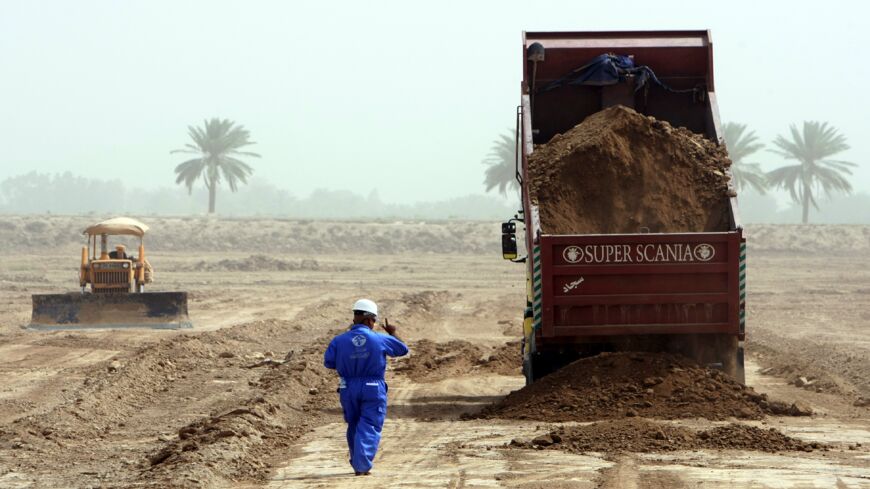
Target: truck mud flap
<point>154,310</point>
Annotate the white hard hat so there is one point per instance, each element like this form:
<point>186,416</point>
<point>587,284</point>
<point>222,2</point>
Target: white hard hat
<point>366,305</point>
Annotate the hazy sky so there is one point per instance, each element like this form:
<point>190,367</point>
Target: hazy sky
<point>402,96</point>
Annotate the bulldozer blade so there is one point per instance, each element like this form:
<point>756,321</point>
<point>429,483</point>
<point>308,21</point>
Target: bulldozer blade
<point>155,310</point>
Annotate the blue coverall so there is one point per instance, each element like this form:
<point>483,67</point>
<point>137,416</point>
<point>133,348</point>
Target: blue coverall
<point>360,357</point>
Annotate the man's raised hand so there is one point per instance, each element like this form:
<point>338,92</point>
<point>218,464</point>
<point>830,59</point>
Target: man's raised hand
<point>391,330</point>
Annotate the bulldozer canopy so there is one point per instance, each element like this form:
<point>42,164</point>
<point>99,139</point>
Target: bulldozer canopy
<point>116,226</point>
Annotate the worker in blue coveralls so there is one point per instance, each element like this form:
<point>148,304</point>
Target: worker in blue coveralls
<point>360,357</point>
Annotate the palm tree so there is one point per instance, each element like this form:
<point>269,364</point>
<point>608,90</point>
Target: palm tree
<point>741,144</point>
<point>501,162</point>
<point>815,171</point>
<point>217,145</point>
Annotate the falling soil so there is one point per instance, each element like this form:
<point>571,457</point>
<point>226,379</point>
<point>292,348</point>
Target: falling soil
<point>622,172</point>
<point>640,435</point>
<point>430,361</point>
<point>629,384</point>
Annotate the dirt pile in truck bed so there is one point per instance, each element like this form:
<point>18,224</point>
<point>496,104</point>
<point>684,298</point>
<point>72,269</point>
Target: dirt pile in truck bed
<point>629,384</point>
<point>620,172</point>
<point>640,435</point>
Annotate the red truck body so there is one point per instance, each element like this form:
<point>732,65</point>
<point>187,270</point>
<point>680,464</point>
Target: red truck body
<point>598,292</point>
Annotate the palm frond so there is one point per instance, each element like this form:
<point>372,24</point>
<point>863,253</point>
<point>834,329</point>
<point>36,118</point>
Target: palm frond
<point>189,171</point>
<point>740,144</point>
<point>831,180</point>
<point>501,163</point>
<point>749,175</point>
<point>235,171</point>
<point>244,153</point>
<point>787,178</point>
<point>843,166</point>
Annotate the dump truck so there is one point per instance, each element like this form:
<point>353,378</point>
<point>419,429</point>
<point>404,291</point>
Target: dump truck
<point>672,292</point>
<point>112,288</point>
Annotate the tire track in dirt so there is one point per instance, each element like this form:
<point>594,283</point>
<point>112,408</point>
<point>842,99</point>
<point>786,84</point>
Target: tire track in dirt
<point>623,474</point>
<point>427,452</point>
<point>626,474</point>
<point>409,454</point>
<point>424,445</point>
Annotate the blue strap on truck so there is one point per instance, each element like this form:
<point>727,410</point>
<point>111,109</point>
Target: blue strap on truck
<point>610,69</point>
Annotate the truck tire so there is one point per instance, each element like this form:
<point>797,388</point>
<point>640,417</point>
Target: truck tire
<point>543,364</point>
<point>539,366</point>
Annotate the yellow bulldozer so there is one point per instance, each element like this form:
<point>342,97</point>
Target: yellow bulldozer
<point>112,286</point>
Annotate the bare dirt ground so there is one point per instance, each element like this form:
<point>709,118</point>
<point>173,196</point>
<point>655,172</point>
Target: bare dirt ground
<point>206,408</point>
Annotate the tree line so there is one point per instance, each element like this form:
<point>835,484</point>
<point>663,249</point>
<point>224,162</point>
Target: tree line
<point>219,145</point>
<point>70,194</point>
<point>812,147</point>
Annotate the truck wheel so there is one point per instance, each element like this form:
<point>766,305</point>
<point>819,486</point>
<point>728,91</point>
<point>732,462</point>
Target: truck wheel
<point>539,366</point>
<point>544,364</point>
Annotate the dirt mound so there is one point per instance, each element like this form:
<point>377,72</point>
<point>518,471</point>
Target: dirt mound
<point>235,443</point>
<point>813,366</point>
<point>640,435</point>
<point>620,172</point>
<point>38,234</point>
<point>430,361</point>
<point>426,301</point>
<point>616,385</point>
<point>809,238</point>
<point>289,237</point>
<point>257,263</point>
<point>419,307</point>
<point>231,408</point>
